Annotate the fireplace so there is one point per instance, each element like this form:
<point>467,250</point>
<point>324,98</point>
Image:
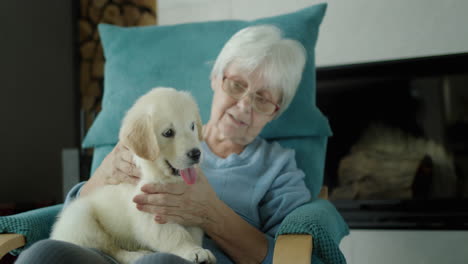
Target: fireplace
<point>399,151</point>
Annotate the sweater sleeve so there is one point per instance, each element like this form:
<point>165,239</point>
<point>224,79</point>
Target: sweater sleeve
<point>287,192</point>
<point>271,246</point>
<point>73,193</point>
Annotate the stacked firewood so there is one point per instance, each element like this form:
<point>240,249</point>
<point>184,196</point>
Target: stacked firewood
<point>93,12</point>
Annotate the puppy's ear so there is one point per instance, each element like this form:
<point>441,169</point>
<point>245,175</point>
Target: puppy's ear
<point>137,134</point>
<point>199,128</point>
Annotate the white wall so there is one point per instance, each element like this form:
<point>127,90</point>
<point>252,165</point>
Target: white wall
<point>352,31</point>
<point>405,247</point>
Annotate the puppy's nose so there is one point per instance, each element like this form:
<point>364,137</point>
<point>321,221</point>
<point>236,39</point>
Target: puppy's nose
<point>194,154</point>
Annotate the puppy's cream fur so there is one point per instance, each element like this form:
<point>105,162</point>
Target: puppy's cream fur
<point>107,219</point>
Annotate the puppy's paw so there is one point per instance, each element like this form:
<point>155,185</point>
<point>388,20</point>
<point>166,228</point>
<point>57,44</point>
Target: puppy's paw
<point>200,255</point>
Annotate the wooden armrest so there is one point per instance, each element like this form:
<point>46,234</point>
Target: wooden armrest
<point>9,242</point>
<point>295,249</point>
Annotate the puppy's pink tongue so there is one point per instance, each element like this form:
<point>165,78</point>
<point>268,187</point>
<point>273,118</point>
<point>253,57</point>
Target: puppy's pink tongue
<point>189,175</point>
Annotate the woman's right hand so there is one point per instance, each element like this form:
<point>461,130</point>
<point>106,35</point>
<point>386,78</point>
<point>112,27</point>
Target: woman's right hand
<point>117,167</point>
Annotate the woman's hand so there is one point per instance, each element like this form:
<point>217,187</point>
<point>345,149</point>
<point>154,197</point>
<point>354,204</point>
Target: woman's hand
<point>189,205</point>
<point>117,167</point>
<point>120,166</point>
<point>198,205</point>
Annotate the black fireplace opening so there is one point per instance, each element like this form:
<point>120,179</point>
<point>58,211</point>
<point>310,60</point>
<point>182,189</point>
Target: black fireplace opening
<point>398,157</point>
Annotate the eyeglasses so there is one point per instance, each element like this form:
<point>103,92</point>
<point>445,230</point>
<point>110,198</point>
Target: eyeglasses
<point>237,91</point>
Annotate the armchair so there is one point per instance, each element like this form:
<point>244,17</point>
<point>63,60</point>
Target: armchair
<point>310,234</point>
<point>19,231</point>
<point>140,58</point>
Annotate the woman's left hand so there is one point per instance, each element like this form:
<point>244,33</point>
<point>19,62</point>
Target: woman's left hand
<point>189,205</point>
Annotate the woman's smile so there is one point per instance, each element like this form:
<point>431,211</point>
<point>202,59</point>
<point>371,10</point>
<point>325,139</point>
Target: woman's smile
<point>236,121</point>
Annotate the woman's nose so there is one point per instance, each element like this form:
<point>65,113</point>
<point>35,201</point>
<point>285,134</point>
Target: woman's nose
<point>245,103</point>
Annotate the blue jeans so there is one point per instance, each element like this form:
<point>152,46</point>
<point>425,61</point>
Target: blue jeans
<point>50,251</point>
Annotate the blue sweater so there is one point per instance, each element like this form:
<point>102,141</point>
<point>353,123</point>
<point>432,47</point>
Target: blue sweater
<point>262,185</point>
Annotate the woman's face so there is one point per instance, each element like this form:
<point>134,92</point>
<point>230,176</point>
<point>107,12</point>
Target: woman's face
<point>236,119</point>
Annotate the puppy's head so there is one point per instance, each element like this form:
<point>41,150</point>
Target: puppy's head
<point>164,127</point>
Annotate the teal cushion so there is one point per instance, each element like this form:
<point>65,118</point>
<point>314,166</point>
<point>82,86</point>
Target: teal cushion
<point>181,56</point>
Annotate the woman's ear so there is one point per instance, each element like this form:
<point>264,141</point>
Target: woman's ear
<point>137,134</point>
<point>216,82</point>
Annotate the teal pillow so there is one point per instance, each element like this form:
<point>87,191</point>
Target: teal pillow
<point>181,56</point>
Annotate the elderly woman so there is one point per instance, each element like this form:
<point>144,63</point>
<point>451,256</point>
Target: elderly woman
<point>246,185</point>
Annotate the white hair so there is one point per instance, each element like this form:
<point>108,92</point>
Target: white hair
<point>279,61</point>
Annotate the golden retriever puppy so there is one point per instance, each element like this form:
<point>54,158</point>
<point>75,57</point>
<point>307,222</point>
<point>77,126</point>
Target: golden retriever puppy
<point>163,130</point>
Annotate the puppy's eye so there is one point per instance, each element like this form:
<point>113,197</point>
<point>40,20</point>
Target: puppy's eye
<point>168,133</point>
<point>192,126</point>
